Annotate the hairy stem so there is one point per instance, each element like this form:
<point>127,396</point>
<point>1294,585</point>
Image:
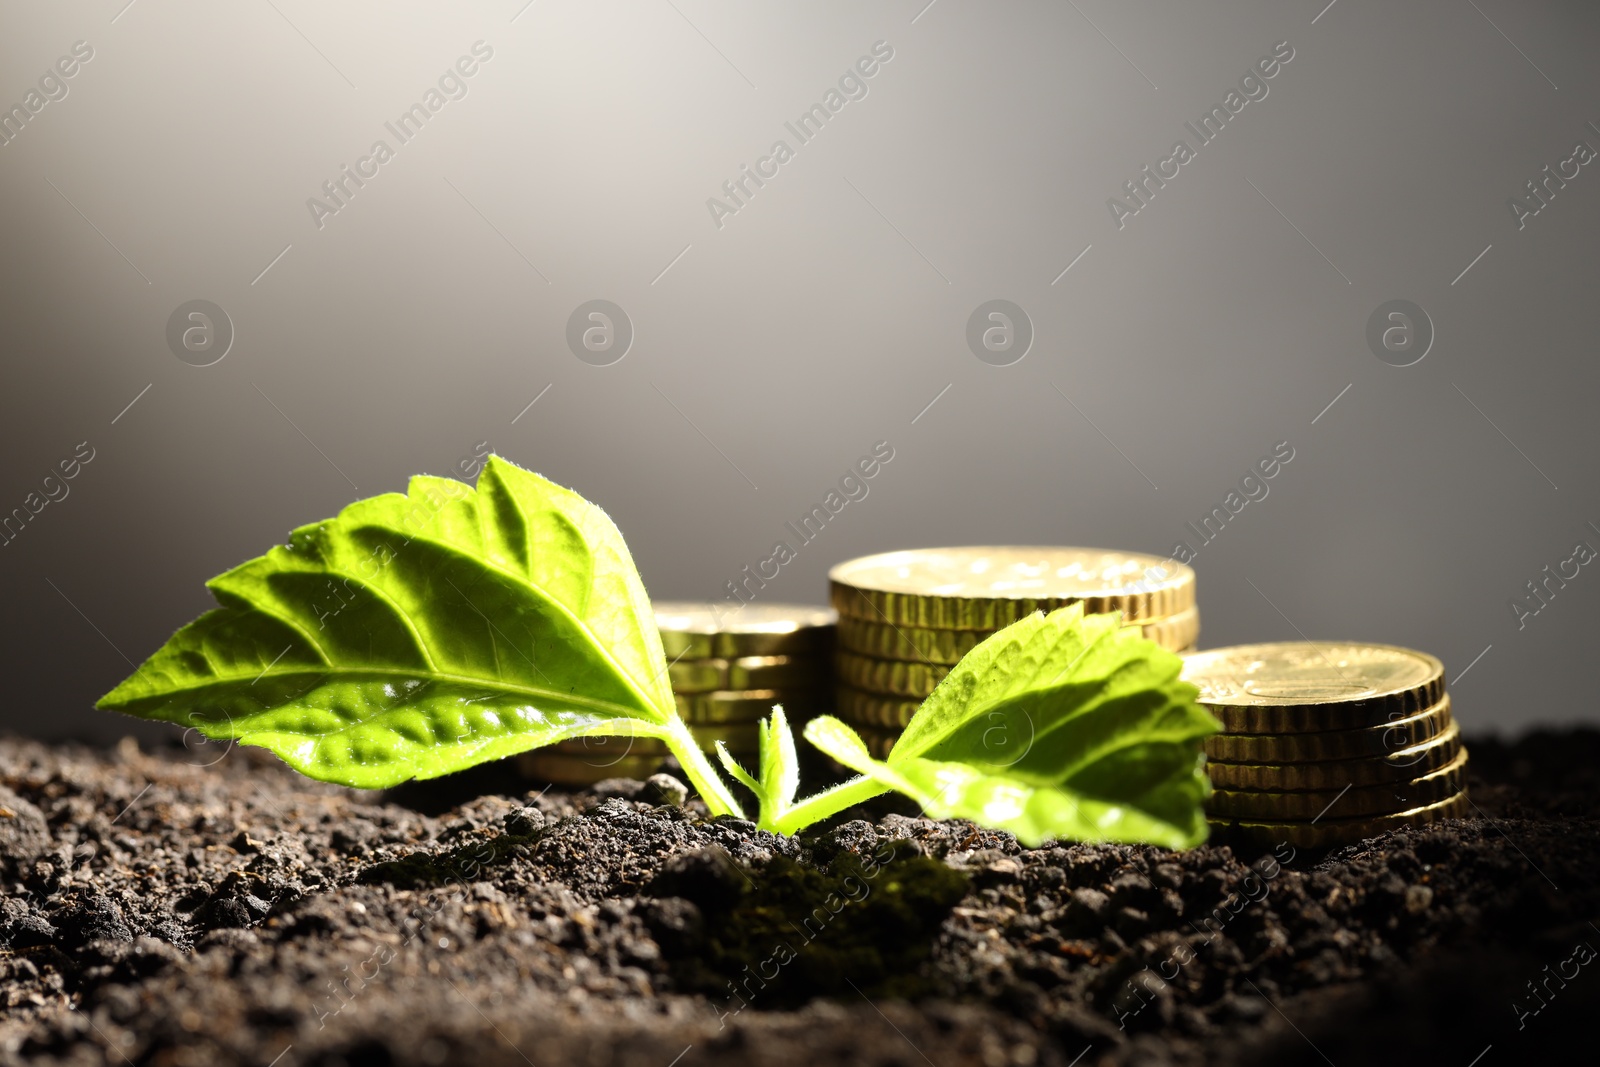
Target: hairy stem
<point>828,802</point>
<point>706,781</point>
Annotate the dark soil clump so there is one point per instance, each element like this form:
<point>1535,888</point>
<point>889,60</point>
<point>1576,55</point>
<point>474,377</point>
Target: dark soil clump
<point>792,931</point>
<point>155,912</point>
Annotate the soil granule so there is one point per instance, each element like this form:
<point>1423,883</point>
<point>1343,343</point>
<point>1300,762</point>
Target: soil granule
<point>160,911</point>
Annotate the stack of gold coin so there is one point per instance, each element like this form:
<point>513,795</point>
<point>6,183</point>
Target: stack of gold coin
<point>584,761</point>
<point>729,664</point>
<point>1327,743</point>
<point>906,618</point>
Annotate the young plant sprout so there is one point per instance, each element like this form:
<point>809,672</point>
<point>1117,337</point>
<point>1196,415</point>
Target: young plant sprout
<point>416,635</point>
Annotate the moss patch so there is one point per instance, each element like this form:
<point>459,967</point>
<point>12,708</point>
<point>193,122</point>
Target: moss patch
<point>787,932</point>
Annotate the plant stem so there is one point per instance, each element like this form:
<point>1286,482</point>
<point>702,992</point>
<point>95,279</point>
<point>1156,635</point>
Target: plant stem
<point>702,775</point>
<point>826,803</point>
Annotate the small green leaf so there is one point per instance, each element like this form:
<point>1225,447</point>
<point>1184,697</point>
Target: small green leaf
<point>778,765</point>
<point>415,635</point>
<point>1058,726</point>
<point>741,775</point>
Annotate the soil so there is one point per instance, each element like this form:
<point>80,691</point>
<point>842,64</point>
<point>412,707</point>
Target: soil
<point>176,908</point>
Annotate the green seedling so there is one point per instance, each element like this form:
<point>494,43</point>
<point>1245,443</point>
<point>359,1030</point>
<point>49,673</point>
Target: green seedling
<point>418,634</point>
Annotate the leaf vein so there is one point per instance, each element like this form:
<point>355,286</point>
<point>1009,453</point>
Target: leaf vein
<point>599,646</point>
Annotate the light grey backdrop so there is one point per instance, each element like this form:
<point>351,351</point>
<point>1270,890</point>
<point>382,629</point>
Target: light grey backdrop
<point>825,315</point>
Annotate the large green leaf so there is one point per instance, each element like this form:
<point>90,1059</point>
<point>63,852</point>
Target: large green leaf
<point>415,635</point>
<point>1058,726</point>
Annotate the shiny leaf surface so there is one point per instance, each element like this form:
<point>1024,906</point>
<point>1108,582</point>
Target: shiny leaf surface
<point>1060,726</point>
<point>414,635</point>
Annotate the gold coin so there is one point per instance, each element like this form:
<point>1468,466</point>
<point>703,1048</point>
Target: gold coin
<point>1332,744</point>
<point>1176,633</point>
<point>1327,832</point>
<point>988,587</point>
<point>917,644</point>
<point>1347,802</point>
<point>914,644</point>
<point>618,751</point>
<point>870,709</point>
<point>747,705</point>
<point>1304,686</point>
<point>602,748</point>
<point>739,737</point>
<point>891,677</point>
<point>746,672</point>
<point>564,768</point>
<point>691,630</point>
<point>1399,766</point>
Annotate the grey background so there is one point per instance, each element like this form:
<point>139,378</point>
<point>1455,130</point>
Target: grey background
<point>826,314</point>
